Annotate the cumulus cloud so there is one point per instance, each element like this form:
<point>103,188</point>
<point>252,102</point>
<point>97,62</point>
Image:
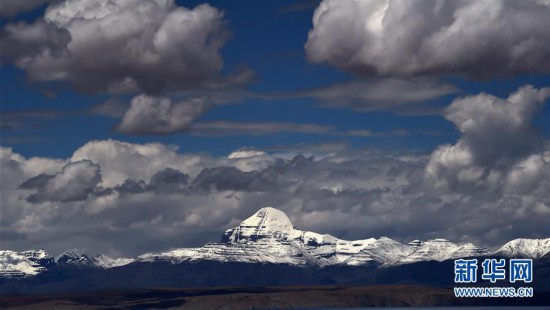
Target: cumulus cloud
<point>124,46</point>
<point>169,180</point>
<point>25,42</point>
<point>266,180</point>
<point>74,182</point>
<point>152,196</point>
<point>152,115</point>
<point>121,160</point>
<point>495,134</point>
<point>475,39</point>
<point>166,181</point>
<point>529,174</point>
<point>15,169</point>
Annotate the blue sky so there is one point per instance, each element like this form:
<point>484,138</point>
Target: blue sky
<point>267,37</point>
<point>437,108</point>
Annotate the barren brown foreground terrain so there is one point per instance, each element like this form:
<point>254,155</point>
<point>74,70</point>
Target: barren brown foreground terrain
<point>254,298</point>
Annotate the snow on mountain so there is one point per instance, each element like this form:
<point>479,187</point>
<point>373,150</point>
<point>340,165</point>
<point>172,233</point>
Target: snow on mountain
<point>105,261</point>
<point>385,251</point>
<point>81,257</point>
<point>75,256</point>
<point>26,263</point>
<point>266,223</point>
<point>269,236</point>
<point>525,248</point>
<point>33,262</point>
<point>440,250</point>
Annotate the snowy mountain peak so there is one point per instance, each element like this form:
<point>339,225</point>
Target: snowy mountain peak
<point>267,222</point>
<point>525,248</point>
<point>269,218</point>
<point>268,236</point>
<point>72,256</point>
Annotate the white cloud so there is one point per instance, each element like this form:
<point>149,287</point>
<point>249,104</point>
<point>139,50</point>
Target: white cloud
<point>528,174</point>
<point>15,169</point>
<point>490,186</point>
<point>478,39</point>
<point>374,194</point>
<point>495,134</point>
<point>124,45</point>
<point>122,160</point>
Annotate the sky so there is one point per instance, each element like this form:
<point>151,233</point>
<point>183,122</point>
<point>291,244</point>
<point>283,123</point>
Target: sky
<point>130,126</point>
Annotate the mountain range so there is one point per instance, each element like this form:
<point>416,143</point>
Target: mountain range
<point>269,237</point>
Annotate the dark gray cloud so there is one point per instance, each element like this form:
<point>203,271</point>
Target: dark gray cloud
<point>154,115</point>
<point>23,42</point>
<point>37,181</point>
<point>233,179</point>
<point>270,179</point>
<point>130,187</point>
<point>75,182</point>
<point>168,180</point>
<point>475,39</point>
<point>171,48</point>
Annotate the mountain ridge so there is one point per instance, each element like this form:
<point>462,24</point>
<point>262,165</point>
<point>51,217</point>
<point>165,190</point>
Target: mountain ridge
<point>268,236</point>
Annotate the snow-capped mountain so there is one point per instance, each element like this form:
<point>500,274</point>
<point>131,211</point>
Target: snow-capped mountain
<point>75,256</point>
<point>81,257</point>
<point>21,264</point>
<point>440,250</point>
<point>269,236</point>
<point>29,263</point>
<point>525,248</point>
